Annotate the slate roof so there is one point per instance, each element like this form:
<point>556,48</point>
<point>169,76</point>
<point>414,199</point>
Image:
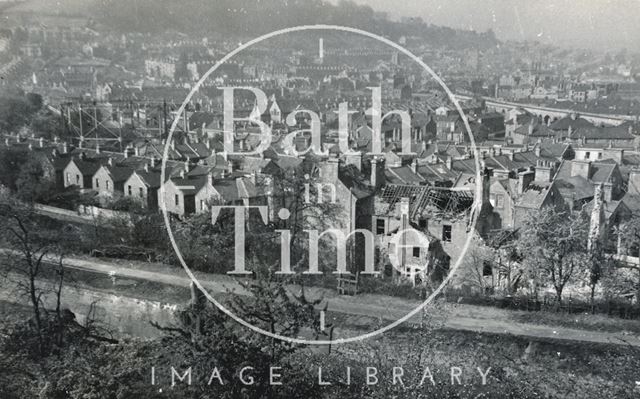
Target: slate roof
<point>151,179</point>
<point>533,197</point>
<point>87,168</point>
<point>402,175</point>
<point>553,150</point>
<point>602,133</point>
<point>194,184</point>
<point>228,189</point>
<point>117,173</point>
<point>575,188</point>
<point>564,123</point>
<point>600,171</point>
<point>436,173</point>
<point>539,130</point>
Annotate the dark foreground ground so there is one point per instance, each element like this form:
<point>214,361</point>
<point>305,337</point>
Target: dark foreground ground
<point>519,368</point>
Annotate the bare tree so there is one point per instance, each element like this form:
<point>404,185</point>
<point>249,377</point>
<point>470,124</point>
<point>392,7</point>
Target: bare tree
<point>30,248</point>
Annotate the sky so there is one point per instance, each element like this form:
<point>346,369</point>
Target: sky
<point>595,24</point>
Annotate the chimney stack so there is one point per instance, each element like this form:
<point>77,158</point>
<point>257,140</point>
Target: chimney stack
<point>414,165</point>
<point>110,161</point>
<point>608,192</point>
<point>374,172</point>
<point>146,168</point>
<point>634,182</point>
<point>136,151</point>
<point>524,179</point>
<point>65,147</point>
<point>97,148</point>
<point>41,142</point>
<point>329,170</point>
<point>354,158</point>
<point>544,171</point>
<point>449,162</point>
<point>581,168</point>
<point>210,179</point>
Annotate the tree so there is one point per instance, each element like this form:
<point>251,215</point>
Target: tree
<point>11,161</point>
<point>628,278</point>
<point>29,247</point>
<point>16,109</point>
<point>32,185</point>
<point>553,244</point>
<point>205,338</point>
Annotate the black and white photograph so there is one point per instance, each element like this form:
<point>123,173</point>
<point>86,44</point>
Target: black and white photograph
<point>319,199</point>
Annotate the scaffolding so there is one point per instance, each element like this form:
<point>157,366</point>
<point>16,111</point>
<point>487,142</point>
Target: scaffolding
<point>110,123</point>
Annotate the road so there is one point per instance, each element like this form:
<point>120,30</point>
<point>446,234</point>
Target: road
<point>457,317</point>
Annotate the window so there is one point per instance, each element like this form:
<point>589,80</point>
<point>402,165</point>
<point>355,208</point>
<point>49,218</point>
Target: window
<point>68,178</point>
<point>416,252</point>
<point>141,192</point>
<point>587,155</point>
<point>78,179</point>
<point>202,205</point>
<point>599,155</point>
<point>106,183</point>
<point>446,232</point>
<point>499,201</point>
<point>97,183</point>
<point>380,226</point>
<point>177,200</point>
<point>487,269</point>
<point>129,191</point>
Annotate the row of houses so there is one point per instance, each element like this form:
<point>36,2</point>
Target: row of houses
<point>432,189</point>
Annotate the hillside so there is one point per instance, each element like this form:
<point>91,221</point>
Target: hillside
<point>246,18</point>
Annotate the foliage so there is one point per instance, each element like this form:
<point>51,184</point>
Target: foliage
<point>553,244</point>
<point>17,109</point>
<point>11,162</point>
<point>32,185</point>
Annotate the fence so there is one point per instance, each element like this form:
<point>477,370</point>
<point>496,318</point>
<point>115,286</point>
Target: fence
<point>619,308</point>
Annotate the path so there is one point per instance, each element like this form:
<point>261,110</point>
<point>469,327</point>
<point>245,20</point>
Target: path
<point>459,317</point>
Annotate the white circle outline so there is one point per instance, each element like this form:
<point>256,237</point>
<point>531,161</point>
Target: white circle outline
<point>474,214</point>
